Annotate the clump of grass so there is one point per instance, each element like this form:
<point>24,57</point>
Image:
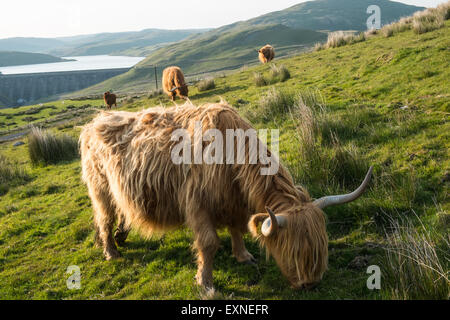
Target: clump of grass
<point>319,46</point>
<point>276,103</point>
<point>155,93</point>
<point>279,73</point>
<point>10,174</point>
<point>47,148</point>
<point>259,79</point>
<point>428,20</point>
<point>319,164</point>
<point>416,262</point>
<point>340,38</point>
<point>205,85</point>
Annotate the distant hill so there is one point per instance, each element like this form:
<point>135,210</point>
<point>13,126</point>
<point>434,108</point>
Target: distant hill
<point>15,58</point>
<point>36,45</point>
<point>335,15</point>
<point>133,43</point>
<point>98,44</point>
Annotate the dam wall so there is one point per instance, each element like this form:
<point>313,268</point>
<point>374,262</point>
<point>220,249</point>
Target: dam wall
<point>20,89</point>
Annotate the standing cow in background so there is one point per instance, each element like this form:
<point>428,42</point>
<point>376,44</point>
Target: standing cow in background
<point>128,166</point>
<point>174,83</point>
<point>266,54</point>
<point>110,99</point>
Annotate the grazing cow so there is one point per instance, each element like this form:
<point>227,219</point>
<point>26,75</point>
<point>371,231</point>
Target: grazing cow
<point>127,161</point>
<point>174,83</point>
<point>266,54</point>
<point>110,99</point>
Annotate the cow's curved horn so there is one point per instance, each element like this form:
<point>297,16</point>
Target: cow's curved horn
<point>336,200</point>
<point>271,225</point>
<point>174,89</point>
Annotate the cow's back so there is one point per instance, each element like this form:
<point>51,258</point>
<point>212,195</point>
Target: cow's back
<point>132,151</point>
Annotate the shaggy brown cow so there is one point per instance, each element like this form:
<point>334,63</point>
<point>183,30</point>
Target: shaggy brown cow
<point>174,83</point>
<point>266,54</point>
<point>110,99</point>
<point>131,176</point>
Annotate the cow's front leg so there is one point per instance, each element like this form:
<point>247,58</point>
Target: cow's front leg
<point>206,244</point>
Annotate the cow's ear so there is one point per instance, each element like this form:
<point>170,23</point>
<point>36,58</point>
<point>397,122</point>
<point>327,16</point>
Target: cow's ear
<point>254,223</point>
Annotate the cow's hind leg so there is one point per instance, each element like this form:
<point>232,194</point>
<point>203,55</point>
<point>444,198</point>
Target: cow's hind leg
<point>104,216</point>
<point>206,244</point>
<point>240,252</point>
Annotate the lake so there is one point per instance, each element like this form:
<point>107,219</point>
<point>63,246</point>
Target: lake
<point>81,63</point>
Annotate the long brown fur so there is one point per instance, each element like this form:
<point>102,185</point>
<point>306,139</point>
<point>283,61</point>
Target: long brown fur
<point>173,78</point>
<point>266,54</point>
<point>127,166</point>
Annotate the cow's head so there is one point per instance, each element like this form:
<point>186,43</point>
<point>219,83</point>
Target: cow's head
<point>182,91</point>
<point>297,239</point>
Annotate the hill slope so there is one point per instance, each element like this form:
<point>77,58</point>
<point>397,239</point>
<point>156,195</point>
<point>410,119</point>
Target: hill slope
<point>12,58</point>
<point>335,15</point>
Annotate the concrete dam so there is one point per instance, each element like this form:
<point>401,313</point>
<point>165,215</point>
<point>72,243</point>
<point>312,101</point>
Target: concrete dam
<point>20,89</point>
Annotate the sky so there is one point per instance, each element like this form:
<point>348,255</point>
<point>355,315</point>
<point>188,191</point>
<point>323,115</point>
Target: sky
<point>55,18</point>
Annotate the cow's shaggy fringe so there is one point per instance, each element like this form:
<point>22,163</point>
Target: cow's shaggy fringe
<point>127,165</point>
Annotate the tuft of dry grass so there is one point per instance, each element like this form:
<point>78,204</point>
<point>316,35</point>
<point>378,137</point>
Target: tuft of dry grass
<point>45,147</point>
<point>10,174</point>
<point>279,73</point>
<point>205,85</point>
<point>259,79</point>
<point>428,20</point>
<point>416,263</point>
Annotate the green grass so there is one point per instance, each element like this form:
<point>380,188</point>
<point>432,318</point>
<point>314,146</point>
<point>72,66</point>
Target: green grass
<point>381,102</point>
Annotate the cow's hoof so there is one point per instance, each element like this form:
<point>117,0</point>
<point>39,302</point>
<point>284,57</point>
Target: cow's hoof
<point>252,262</point>
<point>112,255</point>
<point>120,238</point>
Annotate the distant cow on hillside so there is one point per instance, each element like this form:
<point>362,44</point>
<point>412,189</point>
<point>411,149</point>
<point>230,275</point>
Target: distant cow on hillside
<point>266,54</point>
<point>174,83</point>
<point>110,99</point>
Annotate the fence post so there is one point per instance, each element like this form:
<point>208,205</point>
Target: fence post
<point>156,78</point>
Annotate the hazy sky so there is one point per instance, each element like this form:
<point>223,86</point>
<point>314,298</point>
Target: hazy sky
<point>52,18</point>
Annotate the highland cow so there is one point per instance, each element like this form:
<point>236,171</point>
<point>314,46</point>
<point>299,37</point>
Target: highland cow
<point>127,161</point>
<point>266,54</point>
<point>110,100</point>
<point>174,83</point>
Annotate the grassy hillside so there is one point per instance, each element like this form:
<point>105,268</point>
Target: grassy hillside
<point>215,50</point>
<point>382,102</point>
<point>335,15</point>
<point>12,58</point>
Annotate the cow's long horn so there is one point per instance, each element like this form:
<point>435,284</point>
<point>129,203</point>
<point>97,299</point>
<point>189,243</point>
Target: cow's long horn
<point>271,225</point>
<point>174,89</point>
<point>336,200</point>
